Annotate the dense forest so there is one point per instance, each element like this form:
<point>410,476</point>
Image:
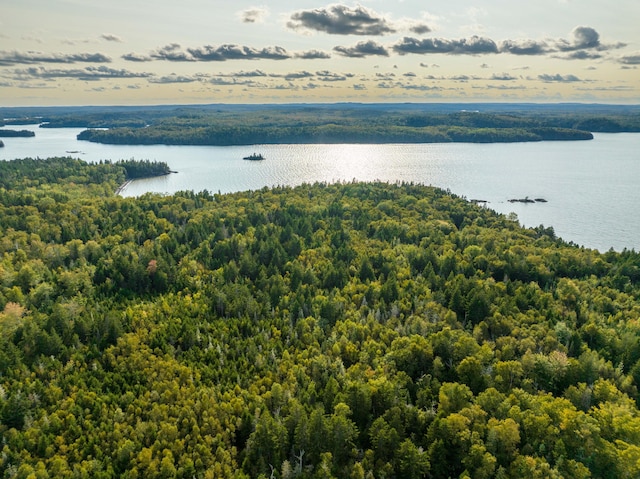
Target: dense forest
<point>360,330</point>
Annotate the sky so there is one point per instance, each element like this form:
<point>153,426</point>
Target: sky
<point>144,52</point>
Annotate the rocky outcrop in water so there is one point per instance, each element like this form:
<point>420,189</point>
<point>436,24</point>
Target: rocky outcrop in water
<point>526,199</point>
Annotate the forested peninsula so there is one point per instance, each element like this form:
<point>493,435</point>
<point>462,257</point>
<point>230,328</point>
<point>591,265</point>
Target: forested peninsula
<point>340,126</point>
<point>223,135</point>
<point>326,330</point>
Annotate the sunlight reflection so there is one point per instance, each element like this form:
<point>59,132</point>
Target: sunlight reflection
<point>355,161</point>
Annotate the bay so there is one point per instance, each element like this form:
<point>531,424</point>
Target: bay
<point>591,187</point>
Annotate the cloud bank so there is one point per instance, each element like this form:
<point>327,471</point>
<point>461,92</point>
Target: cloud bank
<point>30,58</point>
<point>87,74</point>
<point>208,53</point>
<point>363,49</point>
<point>470,46</point>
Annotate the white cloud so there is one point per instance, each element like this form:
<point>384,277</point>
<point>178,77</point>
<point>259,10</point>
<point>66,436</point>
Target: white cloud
<point>254,15</point>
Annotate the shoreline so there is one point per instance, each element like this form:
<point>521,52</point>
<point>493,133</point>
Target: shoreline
<point>121,188</point>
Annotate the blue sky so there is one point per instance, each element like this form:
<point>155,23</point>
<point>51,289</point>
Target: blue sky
<point>76,52</point>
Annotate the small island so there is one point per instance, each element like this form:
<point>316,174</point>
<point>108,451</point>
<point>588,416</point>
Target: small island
<point>16,133</point>
<point>526,199</point>
<point>138,169</point>
<point>1,144</point>
<point>254,157</point>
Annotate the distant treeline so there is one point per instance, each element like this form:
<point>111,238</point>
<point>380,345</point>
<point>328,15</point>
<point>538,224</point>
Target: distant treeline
<point>16,133</point>
<point>21,121</point>
<point>92,122</point>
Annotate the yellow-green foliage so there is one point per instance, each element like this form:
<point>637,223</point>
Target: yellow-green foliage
<point>349,330</point>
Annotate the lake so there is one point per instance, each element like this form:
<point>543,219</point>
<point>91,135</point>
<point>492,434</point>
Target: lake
<point>591,187</point>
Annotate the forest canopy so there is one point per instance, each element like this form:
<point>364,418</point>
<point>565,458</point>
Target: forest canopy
<point>324,330</point>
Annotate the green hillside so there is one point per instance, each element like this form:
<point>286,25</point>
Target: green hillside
<point>327,330</point>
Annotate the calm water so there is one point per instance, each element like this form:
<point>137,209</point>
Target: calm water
<point>591,186</point>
